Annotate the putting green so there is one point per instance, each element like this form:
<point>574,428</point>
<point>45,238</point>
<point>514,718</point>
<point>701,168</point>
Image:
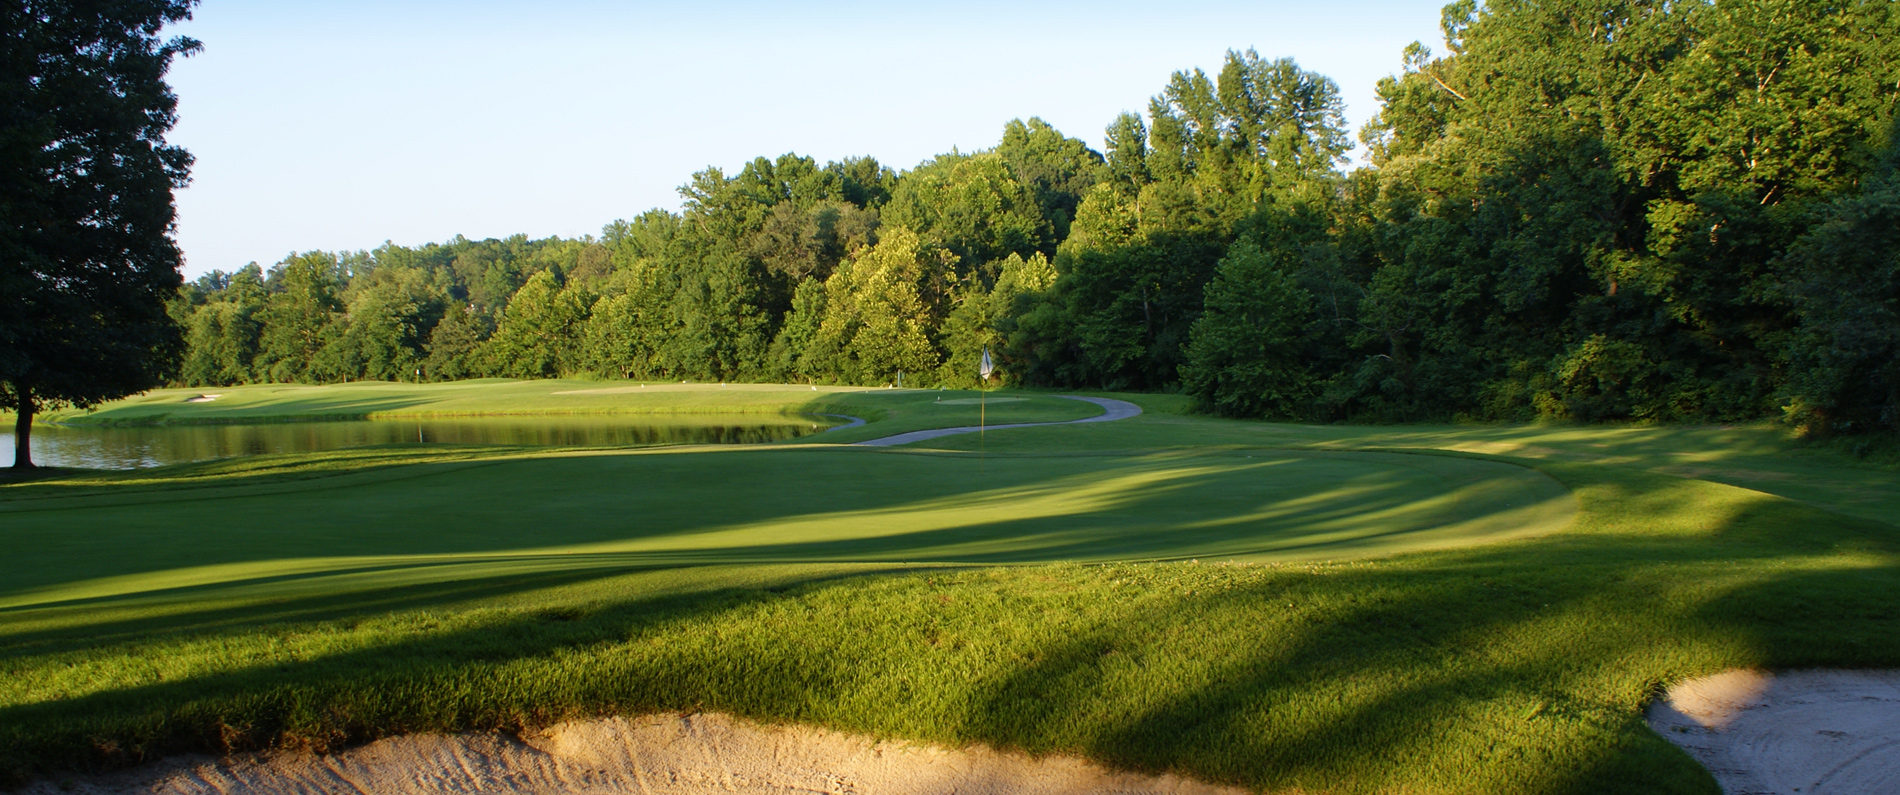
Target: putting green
<point>438,522</point>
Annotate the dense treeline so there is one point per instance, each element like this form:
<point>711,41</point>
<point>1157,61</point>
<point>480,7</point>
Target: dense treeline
<point>1589,210</point>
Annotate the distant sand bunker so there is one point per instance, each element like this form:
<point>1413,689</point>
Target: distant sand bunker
<point>654,754</point>
<point>1807,732</point>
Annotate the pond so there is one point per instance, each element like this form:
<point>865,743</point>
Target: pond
<point>146,446</point>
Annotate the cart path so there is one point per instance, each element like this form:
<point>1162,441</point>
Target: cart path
<point>1112,410</point>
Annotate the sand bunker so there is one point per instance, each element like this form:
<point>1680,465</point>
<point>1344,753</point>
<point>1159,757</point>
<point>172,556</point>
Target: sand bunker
<point>1808,732</point>
<point>202,398</point>
<point>654,754</point>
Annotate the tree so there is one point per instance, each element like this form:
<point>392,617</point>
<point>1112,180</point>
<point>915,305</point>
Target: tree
<point>221,335</point>
<point>972,205</point>
<point>300,315</point>
<point>627,326</point>
<point>881,306</point>
<point>1058,169</point>
<point>389,314</point>
<point>1146,240</point>
<point>793,353</point>
<point>1245,355</point>
<point>541,329</point>
<point>1844,280</point>
<point>987,319</point>
<point>455,346</point>
<point>87,263</point>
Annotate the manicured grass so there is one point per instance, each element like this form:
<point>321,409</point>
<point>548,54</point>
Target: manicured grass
<point>894,410</point>
<point>1763,457</point>
<point>468,519</point>
<point>1241,602</point>
<point>503,397</point>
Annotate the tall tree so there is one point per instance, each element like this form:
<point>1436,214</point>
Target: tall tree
<point>881,307</point>
<point>300,315</point>
<point>87,262</point>
<point>1245,356</point>
<point>541,329</point>
<point>1843,278</point>
<point>973,206</point>
<point>222,334</point>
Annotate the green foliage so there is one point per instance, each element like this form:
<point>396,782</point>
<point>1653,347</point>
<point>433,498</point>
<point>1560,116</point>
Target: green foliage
<point>1058,170</point>
<point>801,352</point>
<point>625,326</point>
<point>1576,211</point>
<point>992,319</point>
<point>221,336</point>
<point>1843,278</point>
<point>1145,243</point>
<point>1247,355</point>
<point>1598,210</point>
<point>881,306</point>
<point>455,345</point>
<point>539,335</point>
<point>972,206</point>
<point>87,262</point>
<point>299,316</point>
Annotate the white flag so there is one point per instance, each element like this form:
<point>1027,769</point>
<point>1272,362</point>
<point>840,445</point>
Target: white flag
<point>986,368</point>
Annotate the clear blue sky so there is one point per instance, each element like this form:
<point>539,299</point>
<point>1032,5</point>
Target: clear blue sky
<point>341,124</point>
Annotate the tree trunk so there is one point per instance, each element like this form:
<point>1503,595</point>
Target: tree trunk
<point>23,429</point>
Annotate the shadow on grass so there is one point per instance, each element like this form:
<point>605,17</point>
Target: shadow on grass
<point>1513,668</point>
<point>823,506</point>
<point>1518,669</point>
<point>271,703</point>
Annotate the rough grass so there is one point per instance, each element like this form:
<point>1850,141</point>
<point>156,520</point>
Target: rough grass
<point>1140,592</point>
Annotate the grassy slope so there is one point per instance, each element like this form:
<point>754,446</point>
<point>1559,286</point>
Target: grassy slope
<point>894,410</point>
<point>501,397</point>
<point>331,598</point>
<point>1763,457</point>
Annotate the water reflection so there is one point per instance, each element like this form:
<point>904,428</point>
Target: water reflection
<point>134,447</point>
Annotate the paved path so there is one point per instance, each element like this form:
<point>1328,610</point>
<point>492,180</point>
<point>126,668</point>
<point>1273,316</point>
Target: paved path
<point>1113,410</point>
<point>850,421</point>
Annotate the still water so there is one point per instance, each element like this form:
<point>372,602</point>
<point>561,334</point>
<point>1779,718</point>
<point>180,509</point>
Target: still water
<point>133,447</point>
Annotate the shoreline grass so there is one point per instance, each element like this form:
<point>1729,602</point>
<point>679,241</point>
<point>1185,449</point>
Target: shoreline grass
<point>1140,592</point>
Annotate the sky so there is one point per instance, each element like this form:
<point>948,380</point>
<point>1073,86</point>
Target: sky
<point>343,124</point>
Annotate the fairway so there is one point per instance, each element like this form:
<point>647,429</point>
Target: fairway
<point>695,507</point>
<point>1282,607</point>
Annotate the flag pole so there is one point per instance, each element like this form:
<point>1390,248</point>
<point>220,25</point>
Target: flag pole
<point>983,368</point>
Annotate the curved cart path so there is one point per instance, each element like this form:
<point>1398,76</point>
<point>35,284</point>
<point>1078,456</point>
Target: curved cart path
<point>1113,410</point>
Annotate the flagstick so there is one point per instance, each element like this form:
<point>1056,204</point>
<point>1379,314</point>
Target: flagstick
<point>983,408</point>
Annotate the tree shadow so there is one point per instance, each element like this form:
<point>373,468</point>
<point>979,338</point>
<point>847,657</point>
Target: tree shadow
<point>585,513</point>
<point>1518,667</point>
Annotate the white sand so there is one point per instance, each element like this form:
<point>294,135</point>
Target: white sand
<point>1807,732</point>
<point>654,754</point>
